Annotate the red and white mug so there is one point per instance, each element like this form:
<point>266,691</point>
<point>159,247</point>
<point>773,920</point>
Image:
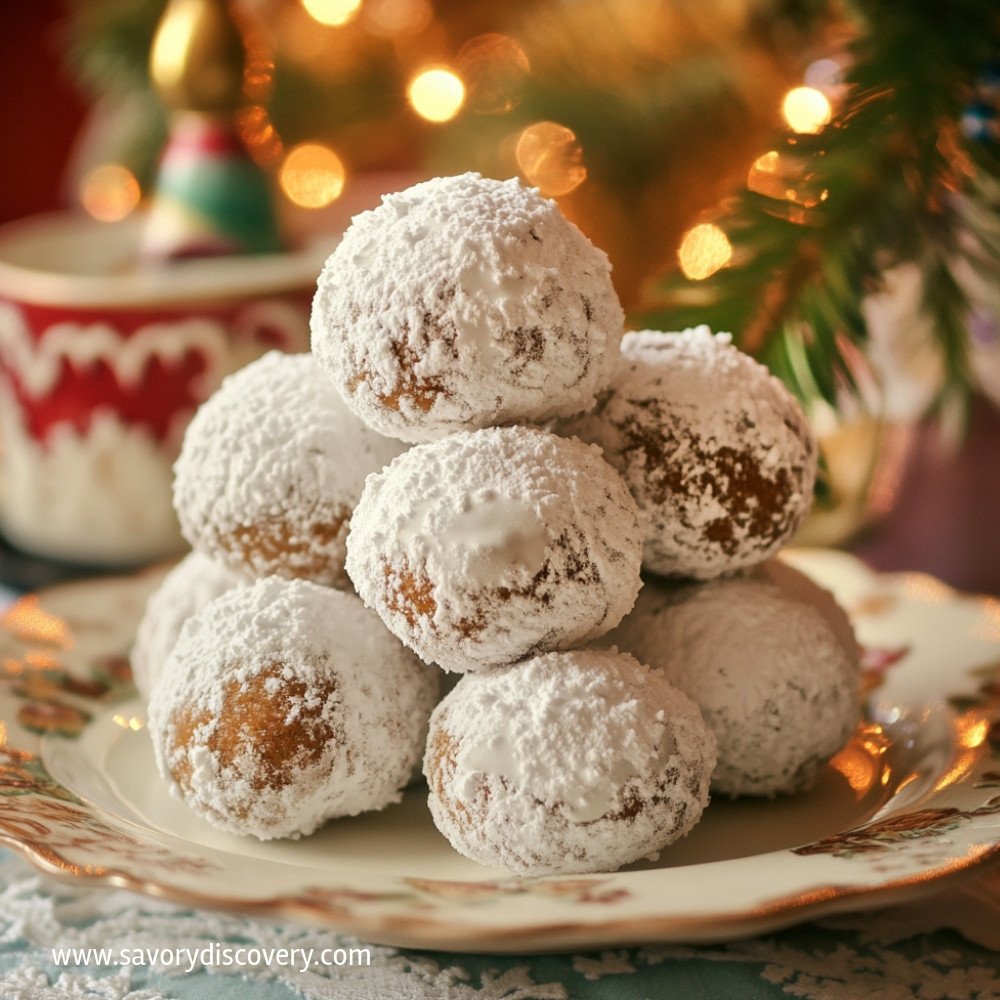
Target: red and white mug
<point>103,363</point>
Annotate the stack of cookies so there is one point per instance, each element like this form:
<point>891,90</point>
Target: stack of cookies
<point>474,468</point>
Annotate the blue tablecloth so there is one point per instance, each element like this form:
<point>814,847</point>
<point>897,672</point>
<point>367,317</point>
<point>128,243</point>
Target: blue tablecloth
<point>898,954</point>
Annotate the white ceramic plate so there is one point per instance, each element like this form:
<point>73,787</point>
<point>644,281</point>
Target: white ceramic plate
<point>913,800</point>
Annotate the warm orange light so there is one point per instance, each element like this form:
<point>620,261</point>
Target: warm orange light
<point>550,157</point>
<point>806,110</point>
<point>258,132</point>
<point>436,94</point>
<point>704,250</point>
<point>332,12</point>
<point>29,621</point>
<point>972,733</point>
<point>312,175</point>
<point>109,192</point>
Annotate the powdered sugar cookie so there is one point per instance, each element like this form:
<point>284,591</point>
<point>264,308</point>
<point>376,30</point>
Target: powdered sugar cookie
<point>716,450</point>
<point>271,467</point>
<point>774,669</point>
<point>465,302</point>
<point>568,762</point>
<point>492,545</point>
<point>189,586</point>
<point>284,704</point>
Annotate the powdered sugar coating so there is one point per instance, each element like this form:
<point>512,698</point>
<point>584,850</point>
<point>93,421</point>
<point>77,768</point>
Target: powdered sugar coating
<point>777,682</point>
<point>284,704</point>
<point>715,449</point>
<point>271,467</point>
<point>189,586</point>
<point>796,586</point>
<point>465,302</point>
<point>489,546</point>
<point>568,762</point>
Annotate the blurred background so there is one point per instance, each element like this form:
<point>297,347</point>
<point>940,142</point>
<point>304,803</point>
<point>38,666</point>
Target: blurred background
<point>819,178</point>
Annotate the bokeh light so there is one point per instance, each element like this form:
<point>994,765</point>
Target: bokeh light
<point>332,12</point>
<point>806,110</point>
<point>765,176</point>
<point>436,94</point>
<point>312,175</point>
<point>550,157</point>
<point>493,67</point>
<point>109,192</point>
<point>704,249</point>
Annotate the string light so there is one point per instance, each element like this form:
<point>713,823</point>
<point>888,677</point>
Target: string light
<point>704,250</point>
<point>109,192</point>
<point>550,157</point>
<point>806,110</point>
<point>333,13</point>
<point>312,175</point>
<point>765,177</point>
<point>436,94</point>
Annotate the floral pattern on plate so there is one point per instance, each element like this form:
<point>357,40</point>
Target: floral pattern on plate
<point>911,801</point>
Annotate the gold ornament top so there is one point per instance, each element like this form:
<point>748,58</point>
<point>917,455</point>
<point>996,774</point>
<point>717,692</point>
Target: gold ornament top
<point>198,56</point>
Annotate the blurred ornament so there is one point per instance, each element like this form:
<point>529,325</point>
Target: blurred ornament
<point>901,346</point>
<point>210,197</point>
<point>863,452</point>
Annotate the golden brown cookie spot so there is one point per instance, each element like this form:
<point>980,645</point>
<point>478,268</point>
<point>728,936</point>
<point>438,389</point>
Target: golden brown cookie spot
<point>186,722</point>
<point>265,719</point>
<point>444,762</point>
<point>296,552</point>
<point>408,593</point>
<point>357,380</point>
<point>421,392</point>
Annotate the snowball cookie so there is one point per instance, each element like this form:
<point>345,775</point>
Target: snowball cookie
<point>189,586</point>
<point>716,450</point>
<point>568,762</point>
<point>465,302</point>
<point>493,545</point>
<point>284,704</point>
<point>775,680</point>
<point>797,586</point>
<point>270,469</point>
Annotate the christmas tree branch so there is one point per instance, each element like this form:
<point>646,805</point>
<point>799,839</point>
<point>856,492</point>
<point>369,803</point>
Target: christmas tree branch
<point>892,179</point>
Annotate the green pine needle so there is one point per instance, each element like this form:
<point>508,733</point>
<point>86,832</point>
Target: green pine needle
<point>898,181</point>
